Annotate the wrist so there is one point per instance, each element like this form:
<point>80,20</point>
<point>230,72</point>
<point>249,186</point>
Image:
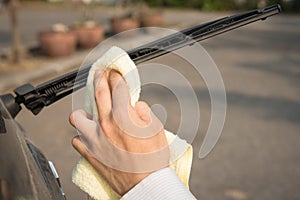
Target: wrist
<point>130,180</point>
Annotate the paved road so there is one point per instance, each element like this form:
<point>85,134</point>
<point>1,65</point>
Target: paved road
<point>257,155</point>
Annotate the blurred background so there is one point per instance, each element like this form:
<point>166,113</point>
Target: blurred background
<point>257,155</point>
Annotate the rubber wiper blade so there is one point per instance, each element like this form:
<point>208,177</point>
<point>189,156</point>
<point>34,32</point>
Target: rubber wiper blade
<point>198,33</point>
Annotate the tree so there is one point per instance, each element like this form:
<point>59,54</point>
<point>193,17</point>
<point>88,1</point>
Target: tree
<point>12,6</point>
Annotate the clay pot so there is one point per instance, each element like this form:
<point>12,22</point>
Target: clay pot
<point>154,19</point>
<point>88,37</point>
<point>58,43</point>
<point>123,24</point>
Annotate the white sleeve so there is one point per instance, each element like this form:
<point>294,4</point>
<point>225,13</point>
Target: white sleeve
<point>162,184</point>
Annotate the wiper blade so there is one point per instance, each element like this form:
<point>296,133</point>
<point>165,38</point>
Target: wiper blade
<point>36,98</point>
<point>200,32</point>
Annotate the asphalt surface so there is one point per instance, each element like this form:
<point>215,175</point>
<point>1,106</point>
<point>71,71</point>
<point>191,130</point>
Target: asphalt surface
<point>257,155</point>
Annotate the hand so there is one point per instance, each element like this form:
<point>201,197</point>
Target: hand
<point>119,123</point>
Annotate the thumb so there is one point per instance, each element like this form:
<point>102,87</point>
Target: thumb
<point>84,152</point>
<point>80,147</point>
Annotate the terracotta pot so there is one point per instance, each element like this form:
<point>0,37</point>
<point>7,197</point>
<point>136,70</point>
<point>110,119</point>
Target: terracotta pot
<point>88,37</point>
<point>152,19</point>
<point>123,24</point>
<point>58,43</point>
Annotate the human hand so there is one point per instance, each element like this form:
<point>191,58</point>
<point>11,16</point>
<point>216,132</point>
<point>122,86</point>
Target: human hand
<point>129,129</point>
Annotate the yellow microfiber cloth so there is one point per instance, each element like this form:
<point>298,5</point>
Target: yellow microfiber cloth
<point>84,175</point>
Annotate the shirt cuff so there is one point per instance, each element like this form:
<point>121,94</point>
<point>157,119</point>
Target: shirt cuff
<point>162,184</point>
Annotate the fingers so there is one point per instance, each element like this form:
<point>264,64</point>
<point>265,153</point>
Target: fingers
<point>102,95</point>
<point>143,111</point>
<point>84,152</point>
<point>72,119</point>
<point>80,147</point>
<point>119,91</point>
<point>79,119</point>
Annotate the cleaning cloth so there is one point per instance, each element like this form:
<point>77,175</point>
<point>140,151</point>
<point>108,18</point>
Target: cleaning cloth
<point>84,175</point>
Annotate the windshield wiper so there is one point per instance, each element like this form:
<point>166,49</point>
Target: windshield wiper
<point>36,98</point>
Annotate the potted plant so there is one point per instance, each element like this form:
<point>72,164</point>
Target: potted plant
<point>150,17</point>
<point>88,32</point>
<point>125,17</point>
<point>58,42</point>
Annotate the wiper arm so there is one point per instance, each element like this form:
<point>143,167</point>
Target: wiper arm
<point>36,98</point>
